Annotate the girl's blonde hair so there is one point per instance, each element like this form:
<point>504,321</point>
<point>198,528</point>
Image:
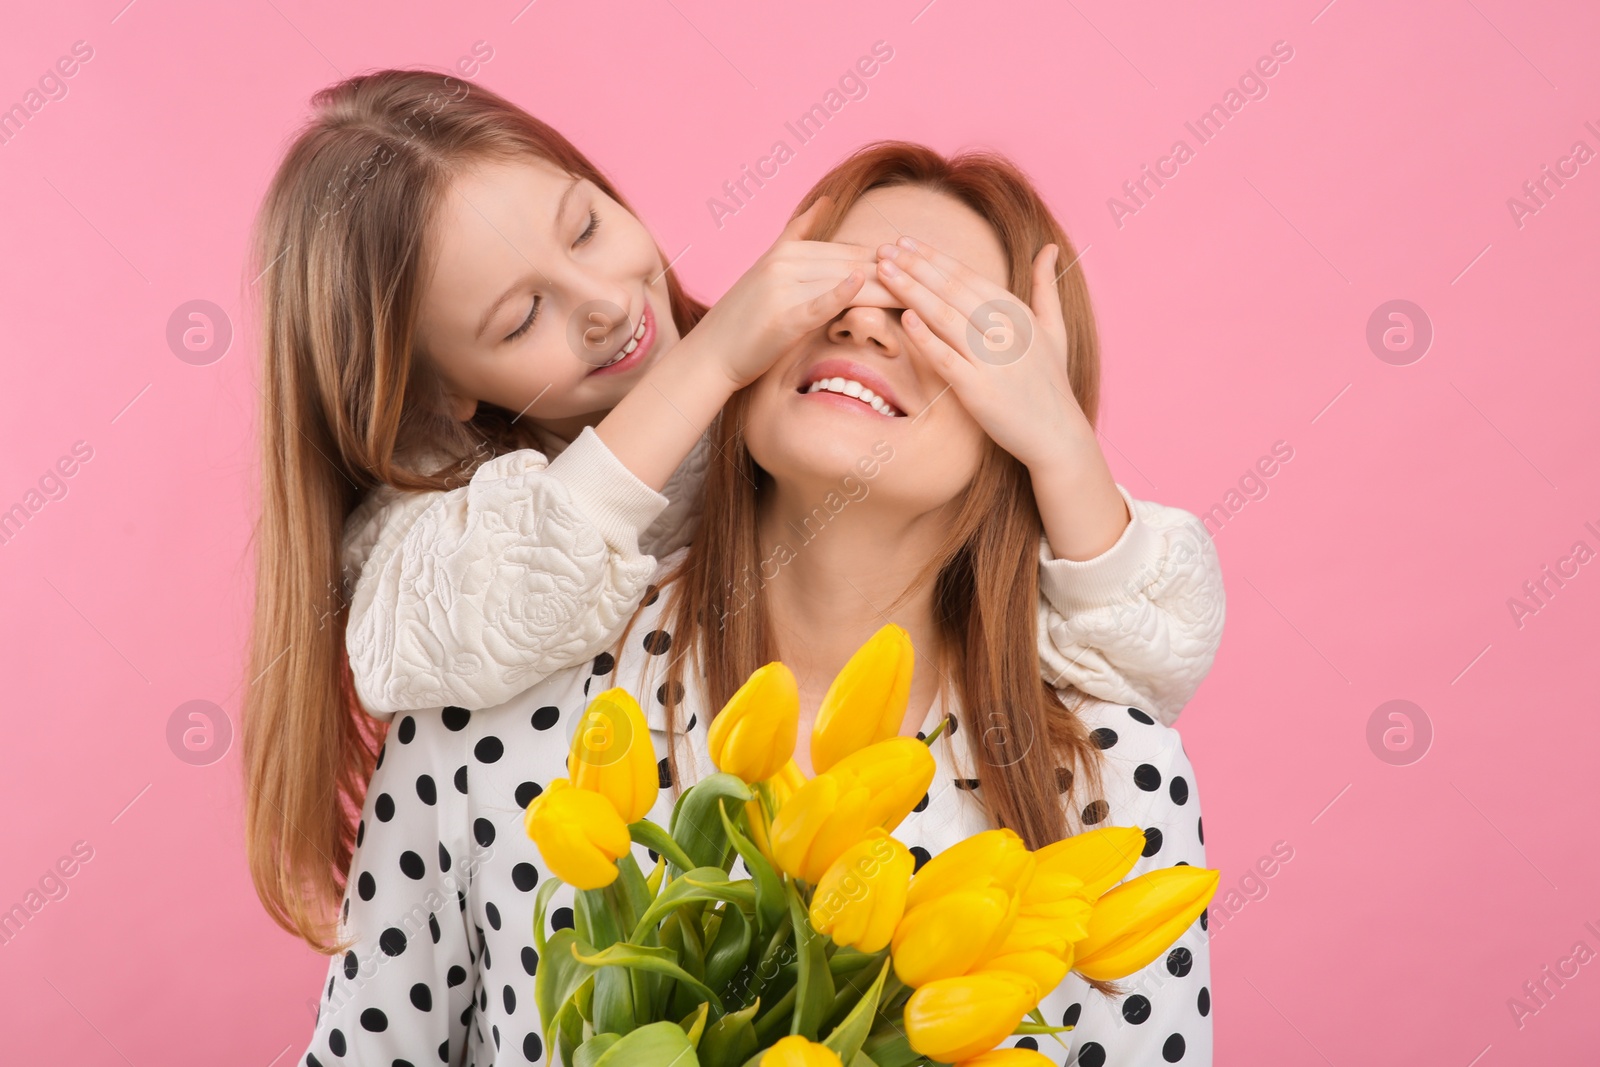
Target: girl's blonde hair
<point>348,405</point>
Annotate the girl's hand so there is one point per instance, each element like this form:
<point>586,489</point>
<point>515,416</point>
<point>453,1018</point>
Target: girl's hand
<point>796,286</point>
<point>1005,362</point>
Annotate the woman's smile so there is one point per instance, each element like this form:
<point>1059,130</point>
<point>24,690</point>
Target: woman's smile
<point>635,350</point>
<point>851,386</point>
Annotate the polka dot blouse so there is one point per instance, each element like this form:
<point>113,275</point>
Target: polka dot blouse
<point>440,901</point>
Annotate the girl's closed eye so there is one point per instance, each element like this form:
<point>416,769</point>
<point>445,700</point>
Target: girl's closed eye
<point>533,312</point>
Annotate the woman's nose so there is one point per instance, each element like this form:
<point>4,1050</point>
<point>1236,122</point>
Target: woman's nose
<point>875,328</point>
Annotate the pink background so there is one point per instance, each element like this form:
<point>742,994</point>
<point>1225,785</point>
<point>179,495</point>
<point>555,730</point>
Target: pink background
<point>1234,308</point>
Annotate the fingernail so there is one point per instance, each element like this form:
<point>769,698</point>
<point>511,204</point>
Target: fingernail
<point>888,251</point>
<point>888,267</point>
<point>906,242</point>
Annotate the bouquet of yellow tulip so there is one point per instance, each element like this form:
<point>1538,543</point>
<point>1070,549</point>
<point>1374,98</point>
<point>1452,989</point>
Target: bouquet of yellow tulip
<point>832,953</point>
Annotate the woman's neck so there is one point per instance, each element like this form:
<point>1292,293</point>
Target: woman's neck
<point>837,575</point>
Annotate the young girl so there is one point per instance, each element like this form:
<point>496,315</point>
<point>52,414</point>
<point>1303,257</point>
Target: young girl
<point>480,429</point>
<point>443,956</point>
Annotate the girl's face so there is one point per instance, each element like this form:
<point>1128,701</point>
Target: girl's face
<point>817,442</point>
<point>534,287</point>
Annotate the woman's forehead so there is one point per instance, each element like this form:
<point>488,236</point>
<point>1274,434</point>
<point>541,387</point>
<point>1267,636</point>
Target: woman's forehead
<point>883,215</point>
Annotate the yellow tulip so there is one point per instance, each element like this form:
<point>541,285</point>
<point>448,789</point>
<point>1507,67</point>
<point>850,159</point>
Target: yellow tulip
<point>612,755</point>
<point>579,834</point>
<point>862,895</point>
<point>957,1018</point>
<point>1056,903</point>
<point>990,858</point>
<point>896,772</point>
<point>867,699</point>
<point>753,736</point>
<point>1045,969</point>
<point>1137,921</point>
<point>816,825</point>
<point>1009,1057</point>
<point>951,934</point>
<point>780,787</point>
<point>1101,858</point>
<point>796,1051</point>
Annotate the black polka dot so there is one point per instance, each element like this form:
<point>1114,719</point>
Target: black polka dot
<point>489,749</point>
<point>1104,737</point>
<point>1200,829</point>
<point>493,913</point>
<point>347,908</point>
<point>1091,1054</point>
<point>456,718</point>
<point>1027,1043</point>
<point>1178,790</point>
<point>433,928</point>
<point>1203,1002</point>
<point>1096,812</point>
<point>966,784</point>
<point>921,804</point>
<point>361,832</point>
<point>455,976</point>
<point>663,773</point>
<point>444,1051</point>
<point>651,594</point>
<point>483,831</point>
<point>561,919</point>
<point>526,792</point>
<point>530,959</point>
<point>444,857</point>
<point>1152,841</point>
<point>461,779</point>
<point>1138,716</point>
<point>336,1041</point>
<point>422,997</point>
<point>495,1030</point>
<point>919,856</point>
<point>384,807</point>
<point>509,997</point>
<point>1146,777</point>
<point>1205,918</point>
<point>427,792</point>
<point>374,1021</point>
<point>532,1048</point>
<point>392,941</point>
<point>1179,961</point>
<point>546,717</point>
<point>604,663</point>
<point>350,966</point>
<point>411,865</point>
<point>1172,1050</point>
<point>652,854</point>
<point>1136,1009</point>
<point>693,719</point>
<point>951,724</point>
<point>311,1057</point>
<point>1063,779</point>
<point>383,751</point>
<point>656,642</point>
<point>675,692</point>
<point>366,885</point>
<point>1070,1016</point>
<point>525,876</point>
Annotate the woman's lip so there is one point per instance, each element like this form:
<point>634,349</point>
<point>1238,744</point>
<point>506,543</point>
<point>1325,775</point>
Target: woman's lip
<point>846,368</point>
<point>634,358</point>
<point>847,403</point>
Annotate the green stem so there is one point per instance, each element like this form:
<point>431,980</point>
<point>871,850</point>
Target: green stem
<point>777,1012</point>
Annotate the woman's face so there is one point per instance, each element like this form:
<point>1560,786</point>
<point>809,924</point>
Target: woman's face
<point>534,285</point>
<point>812,439</point>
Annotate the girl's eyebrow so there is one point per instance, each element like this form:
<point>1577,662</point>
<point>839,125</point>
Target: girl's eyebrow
<point>518,285</point>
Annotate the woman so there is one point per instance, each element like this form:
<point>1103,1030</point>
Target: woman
<point>941,542</point>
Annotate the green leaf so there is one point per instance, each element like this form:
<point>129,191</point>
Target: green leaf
<point>662,1044</point>
<point>861,1059</point>
<point>697,823</point>
<point>655,959</point>
<point>569,1029</point>
<point>847,1038</point>
<point>769,887</point>
<point>616,1006</point>
<point>729,949</point>
<point>814,988</point>
<point>540,903</point>
<point>700,883</point>
<point>1039,1028</point>
<point>730,1040</point>
<point>652,836</point>
<point>891,1049</point>
<point>694,1024</point>
<point>592,1049</point>
<point>560,975</point>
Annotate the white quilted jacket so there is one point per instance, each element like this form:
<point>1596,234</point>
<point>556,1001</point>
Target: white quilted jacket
<point>471,596</point>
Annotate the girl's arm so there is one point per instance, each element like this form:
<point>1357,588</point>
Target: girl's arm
<point>404,990</point>
<point>470,596</point>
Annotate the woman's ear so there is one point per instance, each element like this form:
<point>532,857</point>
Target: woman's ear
<point>458,407</point>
